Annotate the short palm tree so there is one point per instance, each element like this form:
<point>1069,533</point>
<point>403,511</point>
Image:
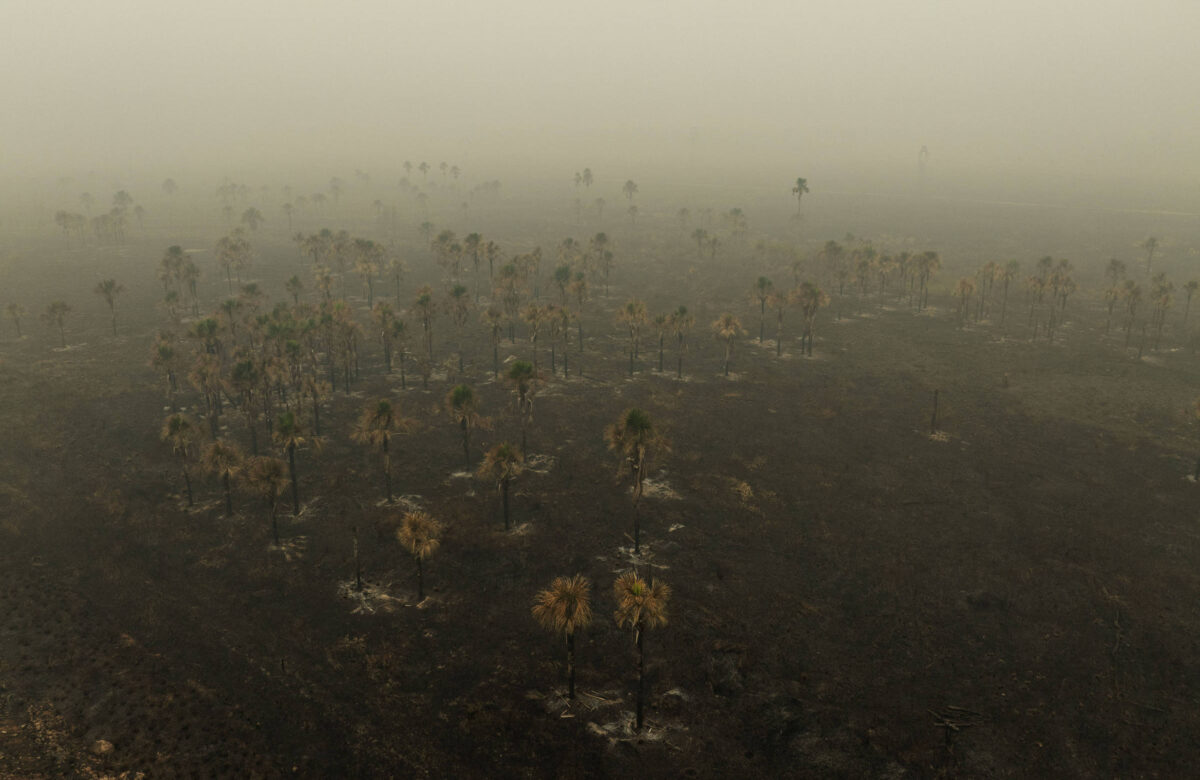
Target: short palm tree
<point>224,460</point>
<point>727,327</point>
<point>375,428</point>
<point>640,607</point>
<point>799,189</point>
<point>522,376</point>
<point>463,407</point>
<point>268,477</point>
<point>503,463</point>
<point>420,535</point>
<point>681,325</point>
<point>288,434</point>
<point>108,289</point>
<point>566,608</point>
<point>16,312</point>
<point>635,440</point>
<point>181,433</point>
<point>56,315</point>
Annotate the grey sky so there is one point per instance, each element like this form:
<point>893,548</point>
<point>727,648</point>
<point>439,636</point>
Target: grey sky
<point>1053,85</point>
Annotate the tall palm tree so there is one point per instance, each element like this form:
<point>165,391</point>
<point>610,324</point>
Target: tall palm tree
<point>426,308</point>
<point>375,428</point>
<point>289,435</point>
<point>635,440</point>
<point>799,189</point>
<point>633,316</point>
<point>810,299</point>
<point>463,407</point>
<point>565,608</point>
<point>762,291</point>
<point>267,476</point>
<point>1189,289</point>
<point>420,535</point>
<point>523,376</point>
<point>493,317</point>
<point>181,433</point>
<point>629,189</point>
<point>1150,245</point>
<point>662,324</point>
<point>640,607</point>
<point>56,316</point>
<point>224,460</point>
<point>727,327</point>
<point>503,463</point>
<point>16,312</point>
<point>681,325</point>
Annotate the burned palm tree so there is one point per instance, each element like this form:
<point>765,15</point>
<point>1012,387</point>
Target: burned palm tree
<point>726,328</point>
<point>224,461</point>
<point>640,607</point>
<point>420,535</point>
<point>181,433</point>
<point>267,476</point>
<point>375,428</point>
<point>635,440</point>
<point>565,608</point>
<point>503,463</point>
<point>463,407</point>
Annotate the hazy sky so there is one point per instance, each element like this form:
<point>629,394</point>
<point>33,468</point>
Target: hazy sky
<point>1031,84</point>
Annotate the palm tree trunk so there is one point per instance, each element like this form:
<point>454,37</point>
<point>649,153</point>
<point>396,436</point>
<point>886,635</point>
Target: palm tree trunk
<point>295,488</point>
<point>637,530</point>
<point>228,497</point>
<point>274,523</point>
<point>420,580</point>
<point>728,349</point>
<point>660,353</point>
<point>641,676</point>
<point>631,360</point>
<point>679,365</point>
<point>466,433</point>
<point>571,666</point>
<point>357,564</point>
<point>187,481</point>
<point>387,471</point>
<point>495,360</point>
<point>504,500</point>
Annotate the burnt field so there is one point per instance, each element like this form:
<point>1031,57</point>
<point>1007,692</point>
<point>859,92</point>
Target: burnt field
<point>855,589</point>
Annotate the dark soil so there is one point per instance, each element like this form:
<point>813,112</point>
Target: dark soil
<point>852,596</point>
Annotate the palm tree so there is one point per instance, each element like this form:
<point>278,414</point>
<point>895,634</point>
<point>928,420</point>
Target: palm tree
<point>1150,245</point>
<point>224,460</point>
<point>635,440</point>
<point>503,463</point>
<point>629,189</point>
<point>375,428</point>
<point>252,218</point>
<point>267,476</point>
<point>463,408</point>
<point>799,190</point>
<point>811,298</point>
<point>294,287</point>
<point>424,304</point>
<point>15,312</point>
<point>762,291</point>
<point>681,323</point>
<point>779,302</point>
<point>181,433</point>
<point>640,607</point>
<point>727,327</point>
<point>493,317</point>
<point>289,435</point>
<point>964,290</point>
<point>522,375</point>
<point>419,534</point>
<point>662,324</point>
<point>1006,276</point>
<point>565,608</point>
<point>1190,289</point>
<point>385,319</point>
<point>56,315</point>
<point>633,316</point>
